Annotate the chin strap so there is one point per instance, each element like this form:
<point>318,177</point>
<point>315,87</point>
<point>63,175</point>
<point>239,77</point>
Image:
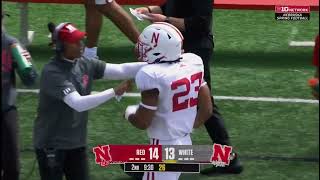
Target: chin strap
<point>170,62</point>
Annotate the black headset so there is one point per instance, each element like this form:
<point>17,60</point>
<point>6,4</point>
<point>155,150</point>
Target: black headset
<point>55,34</point>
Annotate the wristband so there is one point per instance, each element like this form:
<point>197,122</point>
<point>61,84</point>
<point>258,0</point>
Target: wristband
<point>154,108</point>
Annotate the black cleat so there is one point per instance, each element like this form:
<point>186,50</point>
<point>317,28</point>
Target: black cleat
<point>235,167</point>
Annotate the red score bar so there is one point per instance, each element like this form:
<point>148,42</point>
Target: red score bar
<point>118,154</point>
<point>292,9</point>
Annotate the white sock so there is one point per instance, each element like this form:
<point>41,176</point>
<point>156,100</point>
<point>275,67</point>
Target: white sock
<point>90,53</point>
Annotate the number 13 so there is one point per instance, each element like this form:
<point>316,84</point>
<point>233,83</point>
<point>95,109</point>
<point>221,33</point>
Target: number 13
<point>190,102</point>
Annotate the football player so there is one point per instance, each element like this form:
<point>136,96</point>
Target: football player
<point>175,97</point>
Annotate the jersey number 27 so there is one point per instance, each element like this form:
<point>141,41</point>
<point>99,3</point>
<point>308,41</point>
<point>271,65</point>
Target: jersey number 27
<point>195,82</point>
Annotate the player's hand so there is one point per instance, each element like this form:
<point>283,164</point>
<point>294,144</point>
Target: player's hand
<point>123,87</point>
<point>142,10</point>
<point>26,54</point>
<point>155,17</point>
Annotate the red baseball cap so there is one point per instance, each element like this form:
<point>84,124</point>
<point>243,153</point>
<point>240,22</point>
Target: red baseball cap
<point>70,34</point>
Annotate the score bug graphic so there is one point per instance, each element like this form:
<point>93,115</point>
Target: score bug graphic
<point>119,154</point>
<point>163,158</point>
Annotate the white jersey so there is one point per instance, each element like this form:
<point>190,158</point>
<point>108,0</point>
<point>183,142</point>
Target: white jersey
<point>178,85</point>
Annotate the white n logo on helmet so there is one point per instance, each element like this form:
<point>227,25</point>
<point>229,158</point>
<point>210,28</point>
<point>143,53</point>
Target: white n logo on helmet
<point>155,38</point>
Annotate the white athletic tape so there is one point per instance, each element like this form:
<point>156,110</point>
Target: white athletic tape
<point>153,108</point>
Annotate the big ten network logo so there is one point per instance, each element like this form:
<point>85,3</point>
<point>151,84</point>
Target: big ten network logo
<point>292,13</point>
<point>102,155</point>
<point>221,155</point>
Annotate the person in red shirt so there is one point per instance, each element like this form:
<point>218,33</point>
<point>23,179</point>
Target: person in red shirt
<point>315,91</point>
<point>316,56</point>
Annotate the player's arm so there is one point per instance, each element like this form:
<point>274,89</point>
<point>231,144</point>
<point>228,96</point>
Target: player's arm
<point>119,17</point>
<point>204,106</point>
<point>155,14</point>
<point>197,24</point>
<point>100,69</point>
<point>122,71</point>
<point>150,9</point>
<point>177,22</point>
<point>141,116</point>
<point>155,9</point>
<point>84,103</point>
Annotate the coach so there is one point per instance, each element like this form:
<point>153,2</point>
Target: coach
<point>60,128</point>
<point>194,19</point>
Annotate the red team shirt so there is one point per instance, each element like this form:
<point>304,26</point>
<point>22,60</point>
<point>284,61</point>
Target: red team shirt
<point>316,52</point>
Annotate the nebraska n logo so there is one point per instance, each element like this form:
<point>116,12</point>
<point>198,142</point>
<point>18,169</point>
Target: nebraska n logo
<point>155,38</point>
<point>221,155</point>
<point>102,154</point>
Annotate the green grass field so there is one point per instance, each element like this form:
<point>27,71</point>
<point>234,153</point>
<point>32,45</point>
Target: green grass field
<point>252,58</point>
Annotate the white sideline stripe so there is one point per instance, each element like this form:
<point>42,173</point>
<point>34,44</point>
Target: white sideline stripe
<point>293,33</point>
<point>28,91</point>
<point>302,43</point>
<point>30,36</point>
<point>235,98</point>
<point>268,99</point>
